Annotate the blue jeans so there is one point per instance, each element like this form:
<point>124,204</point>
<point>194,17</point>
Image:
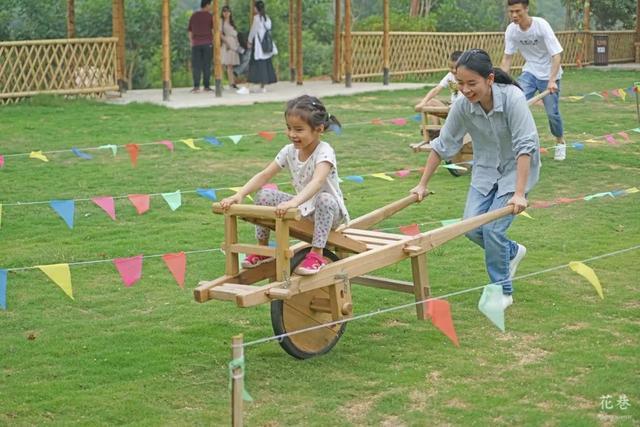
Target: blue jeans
<point>530,85</point>
<point>492,237</point>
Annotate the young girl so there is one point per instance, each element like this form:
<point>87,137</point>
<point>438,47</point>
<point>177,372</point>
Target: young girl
<point>506,154</point>
<point>314,175</point>
<point>230,44</point>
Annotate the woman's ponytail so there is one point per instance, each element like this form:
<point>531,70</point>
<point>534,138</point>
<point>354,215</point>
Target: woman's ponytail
<point>479,61</point>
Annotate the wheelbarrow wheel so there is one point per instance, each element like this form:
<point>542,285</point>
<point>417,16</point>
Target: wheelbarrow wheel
<point>295,314</point>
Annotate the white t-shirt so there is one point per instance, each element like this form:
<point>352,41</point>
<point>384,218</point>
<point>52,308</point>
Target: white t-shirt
<point>450,81</point>
<point>302,173</point>
<point>537,45</point>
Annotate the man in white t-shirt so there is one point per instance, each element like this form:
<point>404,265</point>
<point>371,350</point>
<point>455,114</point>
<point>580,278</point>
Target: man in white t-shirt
<point>539,46</point>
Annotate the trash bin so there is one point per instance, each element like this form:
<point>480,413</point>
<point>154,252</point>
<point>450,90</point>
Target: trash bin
<point>600,49</point>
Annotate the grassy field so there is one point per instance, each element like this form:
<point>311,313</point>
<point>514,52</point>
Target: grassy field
<point>151,355</point>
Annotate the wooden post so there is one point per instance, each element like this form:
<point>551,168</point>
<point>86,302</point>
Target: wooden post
<point>347,43</point>
<point>232,265</point>
<point>71,19</point>
<point>385,43</point>
<point>119,32</point>
<point>166,51</point>
<point>637,43</point>
<point>299,70</point>
<point>252,4</point>
<point>283,266</point>
<point>217,46</point>
<point>420,283</point>
<point>337,44</point>
<point>237,382</point>
<point>586,28</point>
<point>292,42</point>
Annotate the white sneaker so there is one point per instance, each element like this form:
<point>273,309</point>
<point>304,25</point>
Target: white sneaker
<point>263,90</point>
<point>561,152</point>
<point>243,91</point>
<point>507,300</point>
<point>513,264</point>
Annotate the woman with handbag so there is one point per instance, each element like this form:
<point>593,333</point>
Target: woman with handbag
<point>230,45</point>
<point>260,40</point>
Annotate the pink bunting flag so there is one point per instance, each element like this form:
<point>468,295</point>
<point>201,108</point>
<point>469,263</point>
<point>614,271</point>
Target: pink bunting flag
<point>610,139</point>
<point>402,173</point>
<point>107,204</point>
<point>267,135</point>
<point>440,313</point>
<point>399,121</point>
<point>133,150</point>
<point>167,144</point>
<point>1,161</point>
<point>270,186</point>
<point>140,201</point>
<point>177,264</point>
<point>130,269</point>
<point>624,135</point>
<point>410,230</point>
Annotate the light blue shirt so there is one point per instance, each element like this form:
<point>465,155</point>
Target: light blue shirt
<point>498,137</point>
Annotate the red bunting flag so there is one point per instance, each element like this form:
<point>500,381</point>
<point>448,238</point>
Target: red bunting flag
<point>624,135</point>
<point>410,230</point>
<point>440,313</point>
<point>543,150</point>
<point>561,200</point>
<point>177,264</point>
<point>267,135</point>
<point>130,269</point>
<point>133,150</point>
<point>270,186</point>
<point>107,204</point>
<point>541,204</point>
<point>376,122</point>
<point>605,95</point>
<point>140,201</point>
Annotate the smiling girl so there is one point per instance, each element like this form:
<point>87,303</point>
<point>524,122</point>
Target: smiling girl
<point>506,157</point>
<point>314,175</point>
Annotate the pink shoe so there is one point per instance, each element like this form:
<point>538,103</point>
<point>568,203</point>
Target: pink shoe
<point>311,264</point>
<point>254,260</point>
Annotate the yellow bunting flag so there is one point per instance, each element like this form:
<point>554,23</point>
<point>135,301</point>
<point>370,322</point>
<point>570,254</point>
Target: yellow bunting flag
<point>588,273</point>
<point>622,94</point>
<point>631,190</point>
<point>593,141</point>
<point>525,214</point>
<point>575,98</point>
<point>61,275</point>
<point>189,143</point>
<point>38,155</point>
<point>382,176</point>
<point>236,189</point>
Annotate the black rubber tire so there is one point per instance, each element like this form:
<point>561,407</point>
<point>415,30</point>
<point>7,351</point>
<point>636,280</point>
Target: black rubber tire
<point>277,316</point>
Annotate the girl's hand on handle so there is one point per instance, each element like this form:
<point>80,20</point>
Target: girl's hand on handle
<point>283,207</point>
<point>232,200</point>
<point>420,190</point>
<point>519,203</point>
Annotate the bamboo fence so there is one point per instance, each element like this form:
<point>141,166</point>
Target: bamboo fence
<point>413,53</point>
<point>61,66</point>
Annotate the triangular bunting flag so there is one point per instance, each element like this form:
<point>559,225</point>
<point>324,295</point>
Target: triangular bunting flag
<point>212,140</point>
<point>377,122</point>
<point>1,161</point>
<point>543,150</point>
<point>174,200</point>
<point>113,148</point>
<point>575,98</point>
<point>382,176</point>
<point>267,135</point>
<point>597,195</point>
<point>355,178</point>
<point>402,173</point>
<point>410,230</point>
<point>593,141</point>
<point>490,305</point>
<point>610,139</point>
<point>595,93</point>
<point>446,222</point>
<point>335,129</point>
<point>578,145</point>
<point>417,118</point>
<point>0,214</point>
<point>81,154</point>
<point>38,155</point>
<point>399,122</point>
<point>525,214</point>
<point>453,166</point>
<point>140,201</point>
<point>636,130</point>
<point>588,273</point>
<point>207,193</point>
<point>133,150</point>
<point>64,208</point>
<point>3,289</point>
<point>605,95</point>
<point>622,94</point>
<point>624,135</point>
<point>235,138</point>
<point>270,186</point>
<point>189,143</point>
<point>632,190</point>
<point>440,313</point>
<point>236,189</point>
<point>167,144</point>
<point>177,264</point>
<point>107,205</point>
<point>130,269</point>
<point>60,275</point>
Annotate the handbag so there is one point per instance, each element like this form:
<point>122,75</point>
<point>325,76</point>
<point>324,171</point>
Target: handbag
<point>267,42</point>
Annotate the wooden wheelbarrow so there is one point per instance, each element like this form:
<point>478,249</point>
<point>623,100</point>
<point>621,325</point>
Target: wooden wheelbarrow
<point>301,302</point>
<point>430,131</point>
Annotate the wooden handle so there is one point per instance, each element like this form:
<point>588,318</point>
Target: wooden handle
<point>366,221</point>
<point>538,97</point>
<point>260,212</point>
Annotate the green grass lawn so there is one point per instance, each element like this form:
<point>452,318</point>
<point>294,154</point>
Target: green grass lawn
<point>151,355</point>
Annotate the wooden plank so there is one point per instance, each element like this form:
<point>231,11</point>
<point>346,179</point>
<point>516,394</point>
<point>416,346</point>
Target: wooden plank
<point>428,109</point>
<point>237,387</point>
<point>420,283</point>
<point>372,218</point>
<point>372,233</point>
<point>383,283</point>
<point>231,236</point>
<point>374,240</point>
<point>253,211</point>
<point>245,248</point>
<point>304,230</point>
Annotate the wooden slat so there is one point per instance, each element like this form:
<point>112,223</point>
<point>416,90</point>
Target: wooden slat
<point>283,266</point>
<point>372,218</point>
<point>374,240</point>
<point>384,283</point>
<point>245,248</point>
<point>372,233</point>
<point>253,211</point>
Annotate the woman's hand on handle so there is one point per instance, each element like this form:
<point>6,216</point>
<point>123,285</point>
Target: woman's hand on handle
<point>420,190</point>
<point>519,203</point>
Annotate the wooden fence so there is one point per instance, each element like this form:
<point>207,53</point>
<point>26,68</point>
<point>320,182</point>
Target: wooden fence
<point>63,66</point>
<point>421,53</point>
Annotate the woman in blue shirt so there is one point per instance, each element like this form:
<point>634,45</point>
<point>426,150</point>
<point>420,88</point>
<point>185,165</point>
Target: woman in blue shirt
<point>506,157</point>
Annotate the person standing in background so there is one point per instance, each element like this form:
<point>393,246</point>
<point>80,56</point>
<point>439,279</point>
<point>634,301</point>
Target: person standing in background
<point>230,45</point>
<point>201,39</point>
